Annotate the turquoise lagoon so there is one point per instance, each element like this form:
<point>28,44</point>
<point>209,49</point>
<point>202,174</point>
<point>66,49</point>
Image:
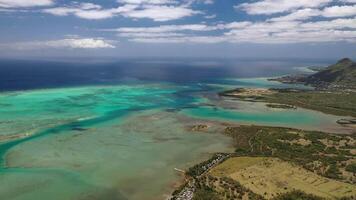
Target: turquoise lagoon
<point>120,141</point>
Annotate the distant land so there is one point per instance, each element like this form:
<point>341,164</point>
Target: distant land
<point>284,163</point>
<point>341,75</point>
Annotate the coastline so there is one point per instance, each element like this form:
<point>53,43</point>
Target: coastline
<point>162,138</point>
<point>256,95</point>
<point>187,186</point>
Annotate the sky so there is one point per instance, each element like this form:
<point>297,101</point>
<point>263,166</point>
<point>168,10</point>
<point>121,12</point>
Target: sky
<point>178,28</point>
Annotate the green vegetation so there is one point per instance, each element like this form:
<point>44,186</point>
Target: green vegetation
<point>280,164</point>
<point>205,193</point>
<point>351,168</point>
<point>337,103</point>
<point>316,68</point>
<point>319,152</point>
<point>340,75</point>
<point>213,188</point>
<point>335,91</point>
<point>280,106</point>
<point>283,163</point>
<point>200,168</point>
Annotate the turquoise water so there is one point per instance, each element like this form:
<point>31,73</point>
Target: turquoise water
<point>120,141</point>
<point>263,115</point>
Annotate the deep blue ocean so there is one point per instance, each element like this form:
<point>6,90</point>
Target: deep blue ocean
<point>24,75</point>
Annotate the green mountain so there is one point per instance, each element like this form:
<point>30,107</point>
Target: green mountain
<point>340,75</point>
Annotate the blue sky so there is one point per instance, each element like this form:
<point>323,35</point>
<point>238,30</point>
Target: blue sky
<point>178,28</point>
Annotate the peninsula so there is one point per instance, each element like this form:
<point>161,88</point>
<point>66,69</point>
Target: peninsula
<point>284,163</point>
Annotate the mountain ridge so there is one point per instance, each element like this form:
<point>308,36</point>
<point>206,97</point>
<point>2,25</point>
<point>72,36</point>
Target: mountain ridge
<point>339,75</point>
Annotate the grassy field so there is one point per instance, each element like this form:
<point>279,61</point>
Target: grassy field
<point>271,177</point>
<point>328,102</point>
<point>280,164</point>
<point>325,154</point>
<point>336,103</point>
<point>235,164</point>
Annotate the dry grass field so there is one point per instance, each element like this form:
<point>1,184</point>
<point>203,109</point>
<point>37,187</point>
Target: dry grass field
<point>270,177</point>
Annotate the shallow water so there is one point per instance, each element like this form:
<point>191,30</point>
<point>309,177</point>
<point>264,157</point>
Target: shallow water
<point>135,160</point>
<point>121,141</point>
<point>98,141</point>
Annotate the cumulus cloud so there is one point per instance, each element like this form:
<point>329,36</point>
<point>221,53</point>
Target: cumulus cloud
<point>203,1</point>
<point>269,31</point>
<point>339,11</point>
<point>210,16</point>
<point>81,43</point>
<point>157,10</point>
<point>156,2</point>
<point>166,28</point>
<point>24,3</point>
<point>68,43</point>
<point>327,12</point>
<point>161,13</point>
<point>167,33</point>
<point>88,11</point>
<point>302,14</point>
<point>296,32</point>
<point>284,21</point>
<point>268,7</point>
<point>171,33</point>
<point>185,39</point>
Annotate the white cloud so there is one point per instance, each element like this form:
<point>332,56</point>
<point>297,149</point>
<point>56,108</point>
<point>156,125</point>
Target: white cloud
<point>349,1</point>
<point>279,6</point>
<point>24,3</point>
<point>154,2</point>
<point>208,1</point>
<point>94,14</point>
<point>327,12</point>
<point>269,31</point>
<point>84,43</point>
<point>333,20</point>
<point>87,6</point>
<point>88,11</point>
<point>185,39</point>
<point>161,13</point>
<point>203,1</point>
<point>210,16</point>
<point>296,32</point>
<point>166,28</point>
<point>302,14</point>
<point>170,34</point>
<point>150,35</point>
<point>330,25</point>
<point>157,10</point>
<point>339,11</point>
<point>71,43</point>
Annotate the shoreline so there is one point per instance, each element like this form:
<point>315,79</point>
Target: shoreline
<point>187,186</point>
<point>189,189</point>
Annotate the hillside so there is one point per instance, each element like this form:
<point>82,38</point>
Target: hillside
<point>340,75</point>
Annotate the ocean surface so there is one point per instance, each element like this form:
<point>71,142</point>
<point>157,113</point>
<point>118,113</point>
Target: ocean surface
<point>116,130</point>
